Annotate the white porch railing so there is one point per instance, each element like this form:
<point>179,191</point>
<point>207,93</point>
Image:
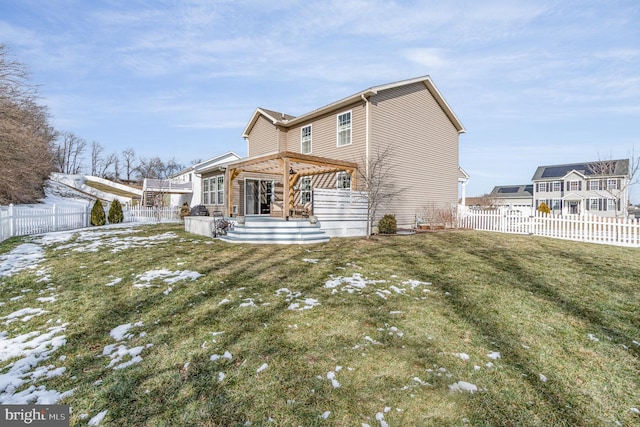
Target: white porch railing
<point>584,228</point>
<point>27,220</point>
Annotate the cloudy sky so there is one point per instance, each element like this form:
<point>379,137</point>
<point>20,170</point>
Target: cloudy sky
<point>534,82</point>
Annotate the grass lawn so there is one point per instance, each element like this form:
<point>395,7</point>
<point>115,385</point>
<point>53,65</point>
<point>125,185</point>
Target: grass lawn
<point>165,328</point>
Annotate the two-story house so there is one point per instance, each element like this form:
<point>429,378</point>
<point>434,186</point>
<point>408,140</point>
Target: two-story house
<point>338,145</point>
<point>600,188</point>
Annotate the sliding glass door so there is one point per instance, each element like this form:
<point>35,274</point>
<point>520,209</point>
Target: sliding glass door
<point>258,195</point>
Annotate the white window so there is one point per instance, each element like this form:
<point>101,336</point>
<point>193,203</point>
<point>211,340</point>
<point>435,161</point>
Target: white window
<point>213,190</point>
<point>575,185</point>
<point>220,192</point>
<point>344,129</point>
<point>555,205</point>
<point>343,181</point>
<point>557,185</point>
<point>611,204</point>
<point>594,184</point>
<point>612,184</point>
<point>593,204</point>
<point>205,191</point>
<point>305,189</point>
<point>305,140</point>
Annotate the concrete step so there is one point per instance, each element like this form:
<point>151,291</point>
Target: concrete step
<point>276,231</point>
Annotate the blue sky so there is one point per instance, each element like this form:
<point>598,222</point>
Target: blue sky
<point>534,82</point>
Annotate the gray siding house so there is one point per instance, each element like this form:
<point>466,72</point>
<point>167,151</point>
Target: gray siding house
<point>514,197</point>
<point>599,188</point>
<point>334,146</point>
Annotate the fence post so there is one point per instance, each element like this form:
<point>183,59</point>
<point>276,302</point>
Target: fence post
<point>12,220</point>
<point>54,214</point>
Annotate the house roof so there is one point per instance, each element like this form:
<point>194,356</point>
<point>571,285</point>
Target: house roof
<point>208,164</point>
<point>598,168</point>
<point>524,191</point>
<point>286,120</point>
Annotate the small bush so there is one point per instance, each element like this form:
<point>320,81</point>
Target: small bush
<point>185,210</point>
<point>543,208</point>
<point>388,224</point>
<point>97,214</point>
<point>115,212</point>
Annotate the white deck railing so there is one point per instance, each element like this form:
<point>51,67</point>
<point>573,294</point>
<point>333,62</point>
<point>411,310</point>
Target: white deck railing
<point>27,220</point>
<point>584,228</point>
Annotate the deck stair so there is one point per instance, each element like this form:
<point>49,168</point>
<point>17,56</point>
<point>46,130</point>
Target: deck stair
<point>259,229</point>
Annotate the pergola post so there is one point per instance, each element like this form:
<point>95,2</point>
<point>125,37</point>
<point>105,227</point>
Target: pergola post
<point>286,197</point>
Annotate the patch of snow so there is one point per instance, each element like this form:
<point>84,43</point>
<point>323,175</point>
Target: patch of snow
<point>495,355</point>
<point>47,299</point>
<point>95,421</point>
<point>310,260</point>
<point>23,315</point>
<point>167,276</point>
<point>325,415</point>
<point>32,349</point>
<point>248,303</point>
<point>463,386</point>
<point>262,368</point>
<point>463,356</point>
<point>635,411</point>
<point>351,284</point>
<point>221,376</point>
<point>543,378</point>
<point>593,337</point>
<point>114,281</point>
<point>22,257</point>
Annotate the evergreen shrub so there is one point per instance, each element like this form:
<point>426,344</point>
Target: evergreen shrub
<point>115,212</point>
<point>388,224</point>
<point>543,208</point>
<point>97,214</point>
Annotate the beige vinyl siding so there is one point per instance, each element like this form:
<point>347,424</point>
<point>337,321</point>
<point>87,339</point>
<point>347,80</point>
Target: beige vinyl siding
<point>424,150</point>
<point>263,138</point>
<point>324,137</point>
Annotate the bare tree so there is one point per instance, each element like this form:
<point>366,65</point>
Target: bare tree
<point>96,160</point>
<point>172,167</point>
<point>116,167</point>
<point>151,168</point>
<point>26,150</point>
<point>129,157</point>
<point>376,179</point>
<point>68,152</point>
<point>615,178</point>
<point>106,163</point>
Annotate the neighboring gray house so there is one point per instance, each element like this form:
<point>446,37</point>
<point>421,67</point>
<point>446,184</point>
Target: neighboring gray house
<point>515,197</point>
<point>333,147</point>
<point>599,188</point>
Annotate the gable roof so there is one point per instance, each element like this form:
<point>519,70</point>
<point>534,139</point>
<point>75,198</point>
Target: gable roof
<point>286,120</point>
<point>211,163</point>
<point>618,168</point>
<point>524,191</point>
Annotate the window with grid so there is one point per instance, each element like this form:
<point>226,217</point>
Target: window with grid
<point>594,205</point>
<point>220,190</point>
<point>612,184</point>
<point>611,204</point>
<point>542,187</point>
<point>305,190</point>
<point>594,184</point>
<point>305,140</point>
<point>343,181</point>
<point>344,129</point>
<point>205,191</point>
<point>557,185</point>
<point>575,186</point>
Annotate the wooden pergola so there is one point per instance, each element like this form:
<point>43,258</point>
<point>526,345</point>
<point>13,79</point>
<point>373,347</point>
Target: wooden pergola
<point>290,166</point>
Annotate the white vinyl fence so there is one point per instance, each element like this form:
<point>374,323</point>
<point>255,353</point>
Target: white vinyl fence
<point>27,220</point>
<point>584,228</point>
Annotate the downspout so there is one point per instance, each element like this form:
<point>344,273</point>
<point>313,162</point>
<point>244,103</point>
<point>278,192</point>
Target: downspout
<point>366,135</point>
